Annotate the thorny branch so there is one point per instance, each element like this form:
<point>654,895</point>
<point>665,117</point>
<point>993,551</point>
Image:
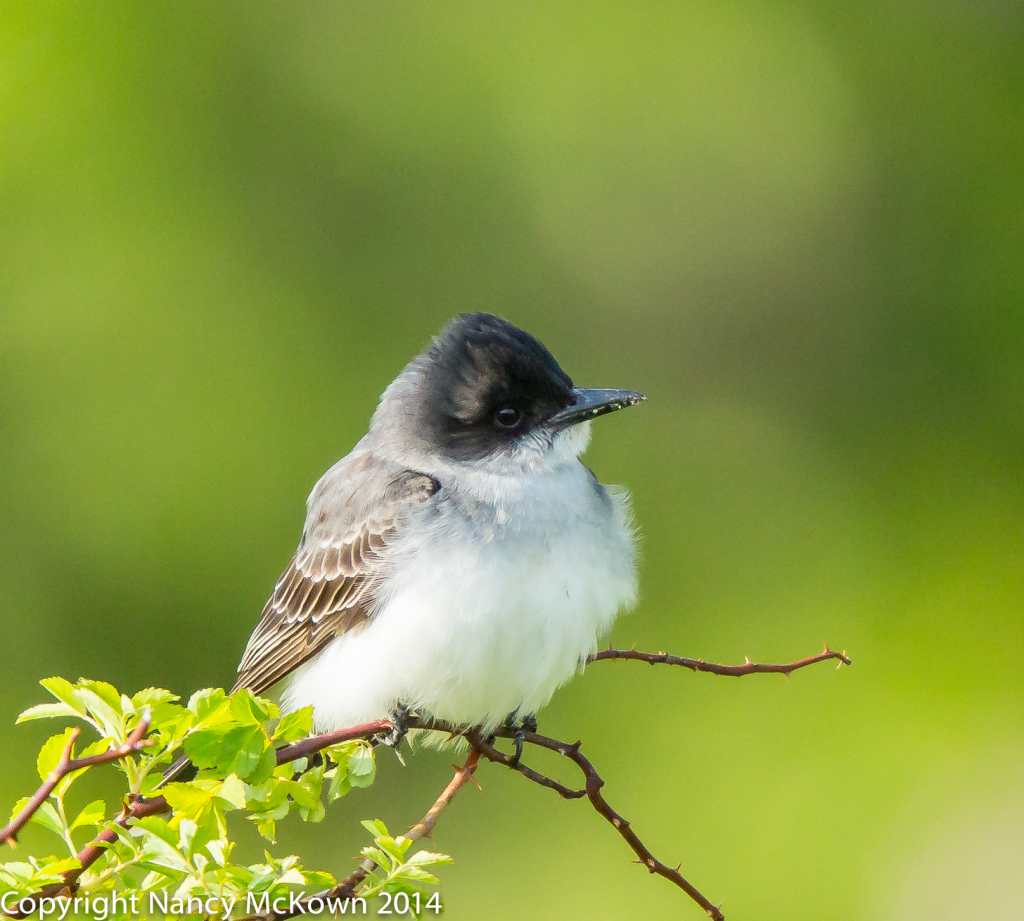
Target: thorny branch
<point>68,765</point>
<point>479,747</point>
<point>734,671</point>
<point>346,889</point>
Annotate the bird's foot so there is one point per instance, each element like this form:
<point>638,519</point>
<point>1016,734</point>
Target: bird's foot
<point>520,726</point>
<point>399,729</point>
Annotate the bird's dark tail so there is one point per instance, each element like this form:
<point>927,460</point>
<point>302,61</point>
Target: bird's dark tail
<point>181,771</point>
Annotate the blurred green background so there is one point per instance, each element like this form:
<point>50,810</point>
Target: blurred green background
<point>798,227</point>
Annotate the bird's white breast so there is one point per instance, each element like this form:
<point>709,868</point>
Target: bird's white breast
<point>494,597</point>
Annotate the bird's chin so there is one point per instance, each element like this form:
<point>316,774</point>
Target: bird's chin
<point>571,442</point>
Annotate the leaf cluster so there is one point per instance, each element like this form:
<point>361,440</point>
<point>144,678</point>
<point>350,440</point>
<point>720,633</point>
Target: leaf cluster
<point>233,741</point>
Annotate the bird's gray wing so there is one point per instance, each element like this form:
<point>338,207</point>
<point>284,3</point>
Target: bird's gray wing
<point>330,584</point>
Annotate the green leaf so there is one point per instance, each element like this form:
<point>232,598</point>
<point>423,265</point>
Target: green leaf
<point>108,716</point>
<point>268,829</point>
<point>378,857</point>
<point>46,711</point>
<point>375,827</point>
<point>151,697</point>
<point>105,692</point>
<point>65,692</point>
<point>49,754</point>
<point>248,709</point>
<point>92,814</point>
<point>302,796</point>
<point>395,847</point>
<point>194,800</point>
<point>339,783</point>
<point>232,791</point>
<point>428,858</point>
<point>155,825</point>
<point>237,750</point>
<point>206,702</point>
<point>294,726</point>
<point>264,770</point>
<point>45,815</point>
<point>362,767</point>
<point>158,853</point>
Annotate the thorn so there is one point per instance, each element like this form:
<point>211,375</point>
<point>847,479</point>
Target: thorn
<point>398,755</point>
<point>746,660</point>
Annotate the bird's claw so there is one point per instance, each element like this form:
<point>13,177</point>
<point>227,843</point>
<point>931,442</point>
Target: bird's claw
<point>399,729</point>
<point>521,726</point>
<point>518,739</point>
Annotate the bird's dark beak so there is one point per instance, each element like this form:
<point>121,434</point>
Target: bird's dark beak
<point>589,404</point>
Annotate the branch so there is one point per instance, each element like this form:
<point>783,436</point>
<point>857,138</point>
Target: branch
<point>314,744</point>
<point>347,887</point>
<point>594,783</point>
<point>734,671</point>
<point>139,808</point>
<point>480,746</point>
<point>68,765</point>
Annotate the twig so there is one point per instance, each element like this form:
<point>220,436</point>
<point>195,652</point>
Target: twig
<point>480,746</point>
<point>594,783</point>
<point>68,765</point>
<point>346,889</point>
<point>492,754</point>
<point>734,671</point>
<point>313,744</point>
<point>139,808</point>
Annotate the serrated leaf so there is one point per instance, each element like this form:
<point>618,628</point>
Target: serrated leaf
<point>375,827</point>
<point>264,769</point>
<point>294,726</point>
<point>378,857</point>
<point>65,692</point>
<point>339,784</point>
<point>428,858</point>
<point>232,791</point>
<point>108,717</point>
<point>105,692</point>
<point>362,768</point>
<point>46,711</point>
<point>206,702</point>
<point>151,697</point>
<point>320,879</point>
<point>45,815</point>
<point>419,875</point>
<point>237,750</point>
<point>268,829</point>
<point>395,847</point>
<point>92,814</point>
<point>158,853</point>
<point>299,793</point>
<point>49,754</point>
<point>248,709</point>
<point>154,825</point>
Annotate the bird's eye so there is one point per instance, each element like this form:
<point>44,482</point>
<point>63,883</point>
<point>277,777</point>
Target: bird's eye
<point>508,417</point>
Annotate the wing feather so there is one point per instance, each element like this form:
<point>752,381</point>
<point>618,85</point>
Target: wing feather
<point>329,586</point>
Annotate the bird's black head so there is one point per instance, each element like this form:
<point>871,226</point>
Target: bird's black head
<point>486,384</point>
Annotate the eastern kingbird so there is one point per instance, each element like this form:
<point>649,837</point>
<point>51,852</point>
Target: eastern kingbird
<point>461,562</point>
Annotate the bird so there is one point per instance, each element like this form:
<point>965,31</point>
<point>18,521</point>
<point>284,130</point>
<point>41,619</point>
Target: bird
<point>461,562</point>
